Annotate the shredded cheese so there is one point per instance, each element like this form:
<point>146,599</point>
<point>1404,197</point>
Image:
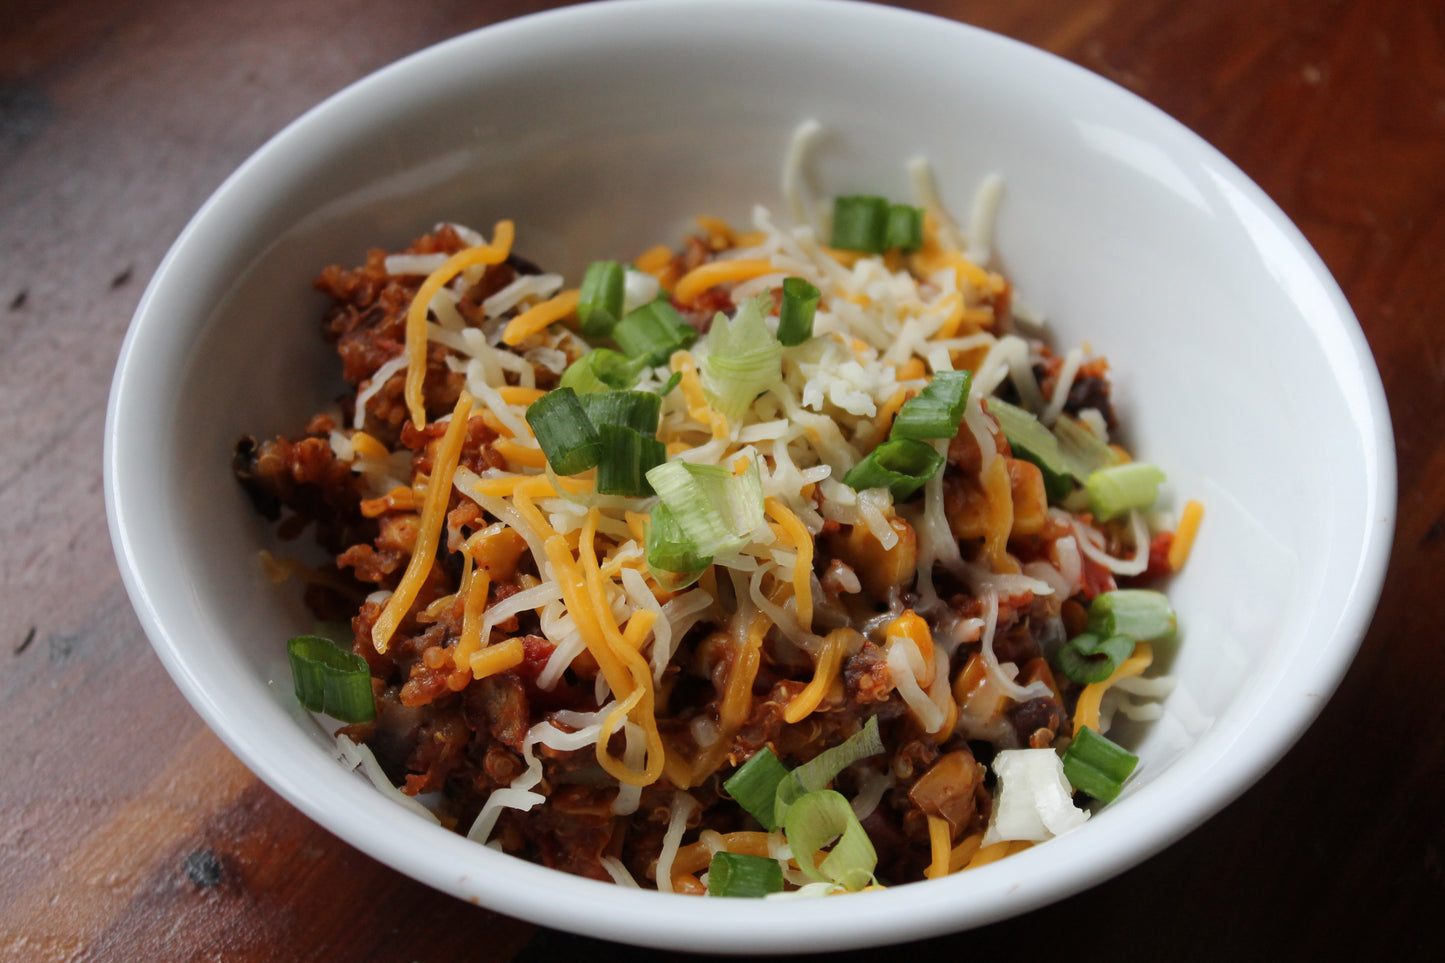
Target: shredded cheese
<point>939,838</point>
<point>1086,712</point>
<point>1184,534</point>
<point>537,318</point>
<point>433,517</point>
<point>835,643</point>
<point>692,284</point>
<point>416,337</point>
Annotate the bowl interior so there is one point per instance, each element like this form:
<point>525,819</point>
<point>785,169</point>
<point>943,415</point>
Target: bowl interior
<point>603,130</point>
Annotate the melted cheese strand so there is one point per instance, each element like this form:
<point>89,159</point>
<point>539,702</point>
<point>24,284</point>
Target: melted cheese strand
<point>1184,535</point>
<point>938,839</point>
<point>416,340</point>
<point>433,517</point>
<point>835,643</point>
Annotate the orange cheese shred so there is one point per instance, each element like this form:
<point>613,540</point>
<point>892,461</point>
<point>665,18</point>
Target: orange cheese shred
<point>497,658</point>
<point>797,533</point>
<point>939,838</point>
<point>536,318</point>
<point>433,517</point>
<point>416,340</point>
<point>704,276</point>
<point>826,670</point>
<point>1184,534</point>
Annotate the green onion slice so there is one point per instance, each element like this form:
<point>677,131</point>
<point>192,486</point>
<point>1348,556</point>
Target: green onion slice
<point>653,332</point>
<point>714,510</point>
<point>823,768</point>
<point>821,818</point>
<point>599,302</point>
<point>754,786</point>
<point>1122,488</point>
<point>670,554</point>
<point>738,874</point>
<point>602,369</point>
<point>1090,658</point>
<point>743,358</point>
<point>795,315</point>
<point>331,680</point>
<point>1138,613</point>
<point>638,410</point>
<point>1032,441</point>
<point>901,465</point>
<point>564,431</point>
<point>905,228</point>
<point>860,223</point>
<point>1098,766</point>
<point>627,456</point>
<point>936,410</point>
<point>1082,450</point>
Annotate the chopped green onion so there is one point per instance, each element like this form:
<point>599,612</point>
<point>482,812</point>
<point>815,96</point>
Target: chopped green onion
<point>564,431</point>
<point>599,302</point>
<point>627,456</point>
<point>331,680</point>
<point>1121,488</point>
<point>1138,613</point>
<point>1090,658</point>
<point>1082,450</point>
<point>602,369</point>
<point>795,316</point>
<point>653,332</point>
<point>1098,766</point>
<point>1033,442</point>
<point>860,223</point>
<point>738,874</point>
<point>743,359</point>
<point>754,786</point>
<point>905,228</point>
<point>936,410</point>
<point>901,465</point>
<point>675,563</point>
<point>672,382</point>
<point>821,818</point>
<point>637,410</point>
<point>823,768</point>
<point>713,510</point>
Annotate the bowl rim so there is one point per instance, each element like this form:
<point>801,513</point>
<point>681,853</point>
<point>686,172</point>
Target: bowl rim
<point>552,898</point>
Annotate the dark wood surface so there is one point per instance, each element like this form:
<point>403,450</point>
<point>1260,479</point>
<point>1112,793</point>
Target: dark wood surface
<point>128,832</point>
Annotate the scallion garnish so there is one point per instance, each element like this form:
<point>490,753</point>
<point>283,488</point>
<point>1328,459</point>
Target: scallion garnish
<point>653,332</point>
<point>602,369</point>
<point>823,768</point>
<point>819,819</point>
<point>637,410</point>
<point>743,358</point>
<point>1138,613</point>
<point>795,315</point>
<point>714,510</point>
<point>936,410</point>
<point>860,223</point>
<point>1096,765</point>
<point>329,679</point>
<point>1032,441</point>
<point>671,555</point>
<point>754,786</point>
<point>905,228</point>
<point>599,302</point>
<point>1082,450</point>
<point>673,380</point>
<point>627,456</point>
<point>1090,658</point>
<point>901,465</point>
<point>564,432</point>
<point>738,874</point>
<point>1122,488</point>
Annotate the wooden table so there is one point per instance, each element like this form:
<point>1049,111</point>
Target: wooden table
<point>128,832</point>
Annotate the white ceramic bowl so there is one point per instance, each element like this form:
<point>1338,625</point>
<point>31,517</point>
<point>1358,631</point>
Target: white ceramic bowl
<point>603,129</point>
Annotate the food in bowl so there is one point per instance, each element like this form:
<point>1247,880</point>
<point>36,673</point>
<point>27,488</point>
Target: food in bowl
<point>719,559</point>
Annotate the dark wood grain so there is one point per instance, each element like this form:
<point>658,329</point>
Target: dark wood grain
<point>127,831</point>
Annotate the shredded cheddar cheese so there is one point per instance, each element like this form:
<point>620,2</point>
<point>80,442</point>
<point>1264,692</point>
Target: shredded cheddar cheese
<point>537,318</point>
<point>1086,712</point>
<point>826,670</point>
<point>704,276</point>
<point>416,337</point>
<point>433,517</point>
<point>1184,535</point>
